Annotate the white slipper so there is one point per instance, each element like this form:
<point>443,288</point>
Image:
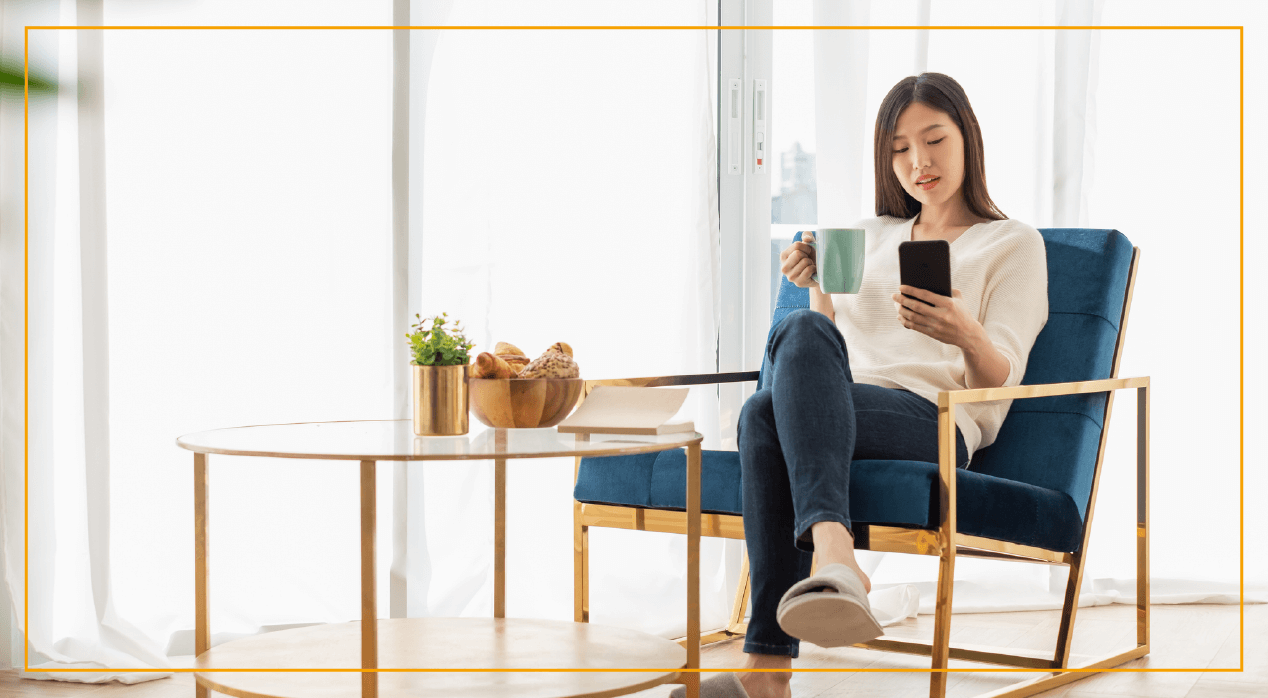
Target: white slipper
<point>720,686</point>
<point>829,618</point>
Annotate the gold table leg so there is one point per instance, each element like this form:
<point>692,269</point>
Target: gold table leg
<point>369,609</point>
<point>692,678</point>
<point>202,608</point>
<point>499,538</point>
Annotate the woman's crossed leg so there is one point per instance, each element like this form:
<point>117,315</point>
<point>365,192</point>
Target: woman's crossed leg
<point>797,440</point>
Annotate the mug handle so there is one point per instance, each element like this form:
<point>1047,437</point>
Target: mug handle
<point>814,244</point>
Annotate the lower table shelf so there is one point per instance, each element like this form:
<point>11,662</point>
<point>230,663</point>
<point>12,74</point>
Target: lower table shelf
<point>444,643</point>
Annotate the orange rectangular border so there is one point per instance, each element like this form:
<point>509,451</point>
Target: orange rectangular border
<point>1240,334</point>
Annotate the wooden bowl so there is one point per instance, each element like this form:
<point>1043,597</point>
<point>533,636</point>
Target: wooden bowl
<point>523,403</point>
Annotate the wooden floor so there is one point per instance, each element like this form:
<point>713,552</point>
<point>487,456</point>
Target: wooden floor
<point>1190,636</point>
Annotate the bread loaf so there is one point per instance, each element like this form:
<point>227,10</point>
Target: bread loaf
<point>503,348</point>
<point>561,347</point>
<point>552,364</point>
<point>516,362</point>
<point>490,366</point>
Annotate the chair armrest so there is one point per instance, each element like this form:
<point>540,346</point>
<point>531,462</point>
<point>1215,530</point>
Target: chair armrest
<point>948,398</point>
<point>688,379</point>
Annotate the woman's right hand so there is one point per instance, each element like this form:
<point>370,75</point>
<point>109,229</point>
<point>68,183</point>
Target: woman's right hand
<point>797,261</point>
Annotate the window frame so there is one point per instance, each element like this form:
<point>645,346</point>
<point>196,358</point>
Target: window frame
<point>744,206</point>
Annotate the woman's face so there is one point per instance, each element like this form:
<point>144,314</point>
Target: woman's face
<point>927,144</point>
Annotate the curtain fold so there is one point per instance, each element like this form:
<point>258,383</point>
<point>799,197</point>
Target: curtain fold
<point>99,450</point>
<point>18,294</point>
<point>1075,67</point>
<point>73,620</point>
<point>410,571</point>
<point>922,36</point>
<point>841,117</point>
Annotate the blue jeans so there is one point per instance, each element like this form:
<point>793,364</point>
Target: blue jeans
<point>797,438</point>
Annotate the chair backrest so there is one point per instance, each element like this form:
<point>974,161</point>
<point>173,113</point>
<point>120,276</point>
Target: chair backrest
<point>1053,442</point>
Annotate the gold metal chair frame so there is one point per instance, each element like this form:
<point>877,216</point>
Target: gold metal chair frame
<point>945,542</point>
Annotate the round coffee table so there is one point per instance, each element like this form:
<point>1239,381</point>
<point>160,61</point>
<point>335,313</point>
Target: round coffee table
<point>400,656</point>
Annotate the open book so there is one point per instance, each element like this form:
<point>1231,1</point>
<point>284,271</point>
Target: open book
<point>619,409</point>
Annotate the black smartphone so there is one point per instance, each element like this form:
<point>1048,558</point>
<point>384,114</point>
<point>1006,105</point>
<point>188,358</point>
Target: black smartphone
<point>925,264</point>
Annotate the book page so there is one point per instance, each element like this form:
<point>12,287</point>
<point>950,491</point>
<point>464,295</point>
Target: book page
<point>626,407</point>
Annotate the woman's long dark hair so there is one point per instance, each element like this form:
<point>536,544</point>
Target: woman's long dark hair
<point>943,93</point>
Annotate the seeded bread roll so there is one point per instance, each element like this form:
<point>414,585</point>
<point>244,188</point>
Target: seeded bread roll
<point>503,348</point>
<point>552,364</point>
<point>490,366</point>
<point>561,347</point>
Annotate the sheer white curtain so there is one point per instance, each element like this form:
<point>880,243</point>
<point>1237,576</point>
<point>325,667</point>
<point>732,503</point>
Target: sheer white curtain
<point>237,274</point>
<point>569,194</point>
<point>74,615</point>
<point>244,269</point>
<point>1075,123</point>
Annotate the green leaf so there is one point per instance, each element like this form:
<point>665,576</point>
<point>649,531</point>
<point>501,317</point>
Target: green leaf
<point>432,345</point>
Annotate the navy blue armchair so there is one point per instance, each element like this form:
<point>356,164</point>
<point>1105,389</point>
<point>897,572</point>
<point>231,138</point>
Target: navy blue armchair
<point>1028,496</point>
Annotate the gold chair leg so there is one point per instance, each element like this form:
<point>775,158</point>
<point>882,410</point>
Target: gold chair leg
<point>1142,517</point>
<point>740,605</point>
<point>580,567</point>
<point>692,679</point>
<point>942,624</point>
<point>580,553</point>
<point>1065,632</point>
<point>941,650</point>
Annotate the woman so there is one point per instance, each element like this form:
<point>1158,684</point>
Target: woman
<point>857,375</point>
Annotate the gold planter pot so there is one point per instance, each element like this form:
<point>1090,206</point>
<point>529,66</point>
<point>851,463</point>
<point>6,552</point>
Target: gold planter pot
<point>440,400</point>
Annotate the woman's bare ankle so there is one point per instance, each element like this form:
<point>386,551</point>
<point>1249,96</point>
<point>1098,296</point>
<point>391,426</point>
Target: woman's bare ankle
<point>766,684</point>
<point>834,544</point>
<point>755,660</point>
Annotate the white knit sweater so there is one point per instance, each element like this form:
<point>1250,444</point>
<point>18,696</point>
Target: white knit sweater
<point>1000,269</point>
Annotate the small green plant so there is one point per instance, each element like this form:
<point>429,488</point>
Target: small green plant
<point>435,347</point>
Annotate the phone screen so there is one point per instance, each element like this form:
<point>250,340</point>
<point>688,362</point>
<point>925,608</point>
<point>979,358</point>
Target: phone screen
<point>926,264</point>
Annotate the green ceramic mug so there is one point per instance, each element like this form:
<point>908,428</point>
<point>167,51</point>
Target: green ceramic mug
<point>839,259</point>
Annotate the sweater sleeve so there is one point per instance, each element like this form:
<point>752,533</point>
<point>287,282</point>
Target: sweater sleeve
<point>1015,306</point>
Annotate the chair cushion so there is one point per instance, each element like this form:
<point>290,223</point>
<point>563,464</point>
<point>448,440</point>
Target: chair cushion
<point>658,481</point>
<point>905,493</point>
<point>882,492</point>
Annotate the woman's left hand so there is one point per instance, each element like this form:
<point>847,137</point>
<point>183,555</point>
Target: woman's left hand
<point>945,319</point>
